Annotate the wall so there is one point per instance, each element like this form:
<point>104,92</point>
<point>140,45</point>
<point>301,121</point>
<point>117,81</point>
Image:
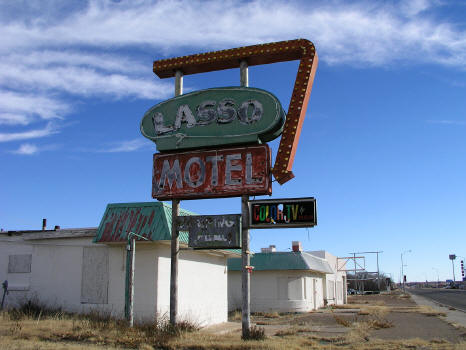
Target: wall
<point>56,278</point>
<point>202,286</point>
<point>282,291</point>
<point>335,284</point>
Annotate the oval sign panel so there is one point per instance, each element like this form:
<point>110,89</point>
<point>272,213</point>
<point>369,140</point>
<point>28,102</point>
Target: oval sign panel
<point>212,117</point>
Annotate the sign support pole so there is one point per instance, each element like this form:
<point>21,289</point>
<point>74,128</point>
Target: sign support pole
<point>245,257</point>
<point>130,257</point>
<point>175,244</point>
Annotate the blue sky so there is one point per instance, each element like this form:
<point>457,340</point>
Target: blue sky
<point>382,147</point>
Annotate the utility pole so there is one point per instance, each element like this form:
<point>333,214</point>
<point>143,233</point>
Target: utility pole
<point>438,278</point>
<point>175,244</point>
<point>402,269</point>
<point>378,272</point>
<point>245,257</point>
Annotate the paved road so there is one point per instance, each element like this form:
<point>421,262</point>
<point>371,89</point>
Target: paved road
<point>449,297</point>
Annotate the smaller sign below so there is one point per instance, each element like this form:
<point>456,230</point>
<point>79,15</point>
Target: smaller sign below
<point>212,231</point>
<point>282,213</point>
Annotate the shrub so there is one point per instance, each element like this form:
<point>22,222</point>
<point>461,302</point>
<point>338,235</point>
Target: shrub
<point>255,333</point>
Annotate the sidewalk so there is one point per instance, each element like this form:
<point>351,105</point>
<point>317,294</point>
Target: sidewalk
<point>453,316</point>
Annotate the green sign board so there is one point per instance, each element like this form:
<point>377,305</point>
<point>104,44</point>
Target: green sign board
<point>213,117</point>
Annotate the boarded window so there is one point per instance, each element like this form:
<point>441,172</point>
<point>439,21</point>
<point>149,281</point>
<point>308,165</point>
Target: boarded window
<point>340,290</point>
<point>19,263</point>
<point>282,284</point>
<point>94,283</point>
<point>330,289</point>
<point>295,288</point>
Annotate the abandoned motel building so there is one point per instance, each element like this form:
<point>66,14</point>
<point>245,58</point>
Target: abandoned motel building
<point>83,270</point>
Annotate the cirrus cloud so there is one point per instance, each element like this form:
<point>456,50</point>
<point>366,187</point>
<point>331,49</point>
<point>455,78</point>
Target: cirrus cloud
<point>53,52</point>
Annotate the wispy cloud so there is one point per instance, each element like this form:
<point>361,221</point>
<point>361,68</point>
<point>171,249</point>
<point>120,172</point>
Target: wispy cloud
<point>26,149</point>
<point>447,122</point>
<point>31,149</point>
<point>50,129</point>
<point>53,52</point>
<point>23,107</point>
<point>127,146</point>
<point>364,31</point>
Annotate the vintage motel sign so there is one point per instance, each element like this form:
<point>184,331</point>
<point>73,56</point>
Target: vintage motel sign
<point>212,231</point>
<point>225,172</point>
<point>214,117</point>
<point>282,213</point>
<point>300,49</point>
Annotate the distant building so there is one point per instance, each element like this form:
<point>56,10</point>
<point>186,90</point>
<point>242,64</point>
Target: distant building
<point>293,281</point>
<point>84,269</point>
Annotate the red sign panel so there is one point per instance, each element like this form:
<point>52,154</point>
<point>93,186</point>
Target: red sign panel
<point>226,172</point>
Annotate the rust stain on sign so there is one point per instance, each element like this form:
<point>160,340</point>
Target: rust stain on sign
<point>299,49</point>
<point>213,173</point>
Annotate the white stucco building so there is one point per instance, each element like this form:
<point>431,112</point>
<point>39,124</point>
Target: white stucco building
<point>293,281</point>
<point>84,269</point>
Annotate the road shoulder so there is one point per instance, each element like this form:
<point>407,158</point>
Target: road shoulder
<point>453,317</point>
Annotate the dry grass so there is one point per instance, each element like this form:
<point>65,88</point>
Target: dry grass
<point>235,315</point>
<point>33,335</point>
<point>57,330</point>
<point>373,318</point>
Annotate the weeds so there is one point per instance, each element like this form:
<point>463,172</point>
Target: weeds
<point>33,309</point>
<point>255,333</point>
<point>285,332</point>
<point>235,315</point>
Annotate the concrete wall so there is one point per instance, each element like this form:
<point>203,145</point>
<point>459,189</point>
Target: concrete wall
<point>335,283</point>
<point>57,277</point>
<point>202,285</point>
<point>282,291</point>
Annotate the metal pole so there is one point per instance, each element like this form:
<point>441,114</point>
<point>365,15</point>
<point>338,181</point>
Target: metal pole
<point>175,244</point>
<point>453,267</point>
<point>355,278</point>
<point>378,274</point>
<point>5,292</point>
<point>245,257</point>
<point>244,73</point>
<point>402,274</point>
<point>129,290</point>
<point>245,272</point>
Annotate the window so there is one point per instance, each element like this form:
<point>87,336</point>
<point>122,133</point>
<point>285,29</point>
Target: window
<point>19,263</point>
<point>94,282</point>
<point>290,288</point>
<point>340,290</point>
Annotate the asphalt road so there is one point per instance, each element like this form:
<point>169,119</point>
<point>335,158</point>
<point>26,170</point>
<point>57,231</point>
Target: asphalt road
<point>449,297</point>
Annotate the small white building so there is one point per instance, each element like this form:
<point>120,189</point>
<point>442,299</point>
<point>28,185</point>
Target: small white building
<point>293,281</point>
<point>84,269</point>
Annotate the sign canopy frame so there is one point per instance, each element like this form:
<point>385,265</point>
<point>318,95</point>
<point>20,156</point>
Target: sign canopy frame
<point>290,50</point>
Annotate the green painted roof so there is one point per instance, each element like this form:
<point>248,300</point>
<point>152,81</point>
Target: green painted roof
<point>148,219</point>
<point>283,261</point>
